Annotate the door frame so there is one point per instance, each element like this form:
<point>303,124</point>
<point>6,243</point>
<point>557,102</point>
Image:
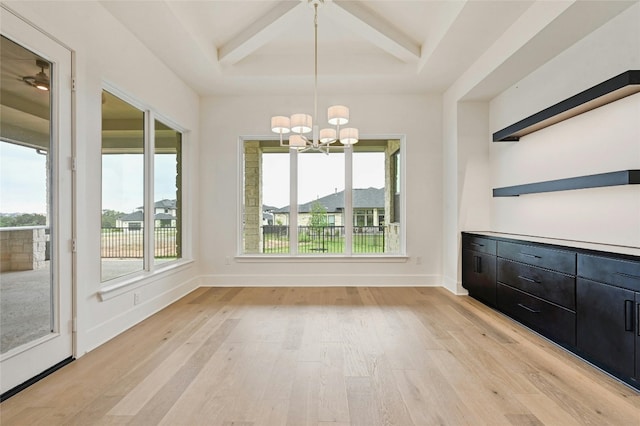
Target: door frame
<point>24,365</point>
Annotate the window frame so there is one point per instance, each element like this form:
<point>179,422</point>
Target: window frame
<point>293,255</point>
<point>119,285</point>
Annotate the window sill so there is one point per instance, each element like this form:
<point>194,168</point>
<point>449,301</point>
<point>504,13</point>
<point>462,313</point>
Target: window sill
<point>321,259</point>
<point>120,286</point>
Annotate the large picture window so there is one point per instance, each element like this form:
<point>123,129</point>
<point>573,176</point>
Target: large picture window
<point>310,203</point>
<point>141,190</point>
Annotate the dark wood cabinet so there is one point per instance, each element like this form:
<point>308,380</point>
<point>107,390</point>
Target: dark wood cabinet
<point>556,260</point>
<point>637,337</point>
<point>479,268</point>
<point>608,298</point>
<point>552,321</point>
<point>586,300</point>
<point>606,325</point>
<point>553,286</point>
<point>536,286</point>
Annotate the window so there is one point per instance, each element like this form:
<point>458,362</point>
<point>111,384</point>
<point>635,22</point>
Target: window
<point>133,240</point>
<point>395,181</point>
<point>123,170</point>
<point>167,194</point>
<point>324,220</point>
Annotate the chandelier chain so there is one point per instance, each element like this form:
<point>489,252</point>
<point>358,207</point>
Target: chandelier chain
<point>306,134</point>
<point>315,83</point>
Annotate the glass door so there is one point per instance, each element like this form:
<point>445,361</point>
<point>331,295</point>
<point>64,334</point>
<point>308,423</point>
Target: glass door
<point>35,203</point>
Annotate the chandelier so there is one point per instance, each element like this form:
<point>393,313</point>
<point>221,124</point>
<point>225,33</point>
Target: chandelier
<point>306,134</point>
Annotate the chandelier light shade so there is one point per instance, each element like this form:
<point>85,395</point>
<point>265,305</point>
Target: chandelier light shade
<point>338,115</point>
<point>280,124</point>
<point>300,124</point>
<point>327,135</point>
<point>349,136</point>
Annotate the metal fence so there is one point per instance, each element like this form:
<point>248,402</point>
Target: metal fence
<point>125,243</point>
<point>323,239</point>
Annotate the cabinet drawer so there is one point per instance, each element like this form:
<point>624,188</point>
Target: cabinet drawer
<point>618,272</point>
<point>557,260</point>
<point>554,322</point>
<point>479,244</point>
<point>548,285</point>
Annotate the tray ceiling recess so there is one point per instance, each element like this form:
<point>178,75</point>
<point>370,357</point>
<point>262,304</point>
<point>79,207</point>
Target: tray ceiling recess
<point>618,87</point>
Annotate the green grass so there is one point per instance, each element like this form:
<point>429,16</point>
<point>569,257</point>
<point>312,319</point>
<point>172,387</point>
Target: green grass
<point>362,244</point>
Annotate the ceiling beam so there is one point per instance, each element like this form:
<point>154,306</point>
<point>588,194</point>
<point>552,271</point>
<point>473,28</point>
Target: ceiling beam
<point>439,32</point>
<point>375,29</point>
<point>257,34</point>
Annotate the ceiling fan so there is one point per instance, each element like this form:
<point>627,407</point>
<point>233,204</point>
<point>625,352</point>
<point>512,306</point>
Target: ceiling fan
<point>40,80</point>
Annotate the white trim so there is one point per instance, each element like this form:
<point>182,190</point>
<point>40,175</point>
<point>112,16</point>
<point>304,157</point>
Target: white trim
<point>321,258</point>
<point>403,193</point>
<point>149,210</point>
<point>348,201</point>
<point>149,265</point>
<point>293,200</point>
<point>239,217</point>
<point>39,355</point>
<point>321,280</point>
<point>133,281</point>
<point>107,330</point>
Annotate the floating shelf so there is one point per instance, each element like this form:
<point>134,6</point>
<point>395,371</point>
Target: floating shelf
<point>624,177</point>
<point>608,91</point>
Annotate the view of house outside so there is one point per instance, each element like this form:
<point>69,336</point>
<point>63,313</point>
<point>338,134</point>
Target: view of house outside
<point>123,226</point>
<point>321,203</point>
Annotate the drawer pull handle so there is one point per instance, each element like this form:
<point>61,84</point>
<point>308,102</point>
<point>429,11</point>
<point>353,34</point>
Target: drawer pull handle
<point>628,315</point>
<point>526,308</point>
<point>531,280</point>
<point>477,244</point>
<point>531,255</point>
<point>477,266</point>
<point>633,277</point>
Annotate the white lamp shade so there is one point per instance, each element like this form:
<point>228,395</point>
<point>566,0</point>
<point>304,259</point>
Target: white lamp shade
<point>301,123</point>
<point>349,135</point>
<point>296,141</point>
<point>338,115</point>
<point>280,124</point>
<point>327,135</point>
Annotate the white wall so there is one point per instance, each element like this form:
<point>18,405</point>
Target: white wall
<point>106,52</point>
<point>603,140</point>
<point>526,55</point>
<point>224,119</point>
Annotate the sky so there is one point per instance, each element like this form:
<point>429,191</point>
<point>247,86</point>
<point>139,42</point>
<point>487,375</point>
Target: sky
<point>122,175</point>
<point>318,175</point>
<point>23,178</point>
<point>23,184</point>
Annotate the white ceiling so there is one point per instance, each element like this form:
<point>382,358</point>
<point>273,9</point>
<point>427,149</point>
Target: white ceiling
<point>380,46</point>
<point>234,47</point>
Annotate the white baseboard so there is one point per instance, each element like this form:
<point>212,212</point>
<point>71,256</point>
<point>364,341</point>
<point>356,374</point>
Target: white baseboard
<point>454,286</point>
<point>118,324</point>
<point>320,280</point>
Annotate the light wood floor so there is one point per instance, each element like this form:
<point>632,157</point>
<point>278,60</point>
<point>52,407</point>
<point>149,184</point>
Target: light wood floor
<point>326,356</point>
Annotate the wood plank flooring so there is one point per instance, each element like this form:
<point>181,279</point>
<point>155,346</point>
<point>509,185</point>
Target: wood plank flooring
<point>326,356</point>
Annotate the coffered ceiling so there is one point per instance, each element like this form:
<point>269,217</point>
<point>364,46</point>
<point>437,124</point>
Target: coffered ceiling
<point>392,46</point>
